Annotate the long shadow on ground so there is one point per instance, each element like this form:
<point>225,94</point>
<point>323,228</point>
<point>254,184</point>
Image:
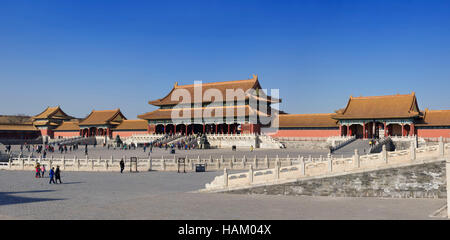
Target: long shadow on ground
<point>7,198</point>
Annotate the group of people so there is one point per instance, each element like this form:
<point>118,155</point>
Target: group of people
<point>8,149</point>
<point>54,174</point>
<point>44,149</point>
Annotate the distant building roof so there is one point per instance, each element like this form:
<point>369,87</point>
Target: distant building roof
<point>68,126</point>
<point>53,112</point>
<point>104,117</point>
<point>307,120</point>
<point>14,119</point>
<point>435,118</point>
<point>380,107</point>
<point>132,125</point>
<point>18,127</point>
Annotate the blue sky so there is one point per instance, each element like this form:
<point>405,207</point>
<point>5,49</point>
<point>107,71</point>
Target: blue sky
<point>85,55</point>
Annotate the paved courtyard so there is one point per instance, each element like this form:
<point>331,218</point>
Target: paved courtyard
<point>104,152</point>
<point>169,195</point>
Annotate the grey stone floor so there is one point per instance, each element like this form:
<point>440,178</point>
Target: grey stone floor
<point>168,195</point>
<point>104,152</point>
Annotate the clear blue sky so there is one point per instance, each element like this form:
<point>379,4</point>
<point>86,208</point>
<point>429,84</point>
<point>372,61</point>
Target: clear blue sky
<point>85,55</point>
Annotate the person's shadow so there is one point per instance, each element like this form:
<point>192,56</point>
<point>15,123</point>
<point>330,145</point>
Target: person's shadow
<point>7,198</point>
<point>72,182</point>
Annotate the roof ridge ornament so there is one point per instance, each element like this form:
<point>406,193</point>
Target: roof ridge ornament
<point>175,85</point>
<point>255,76</point>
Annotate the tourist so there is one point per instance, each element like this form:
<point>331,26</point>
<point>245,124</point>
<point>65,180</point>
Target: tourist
<point>42,170</point>
<point>58,175</point>
<point>122,165</point>
<point>51,175</point>
<point>38,171</point>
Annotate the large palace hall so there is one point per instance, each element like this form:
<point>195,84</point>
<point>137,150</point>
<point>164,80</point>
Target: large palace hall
<point>363,117</point>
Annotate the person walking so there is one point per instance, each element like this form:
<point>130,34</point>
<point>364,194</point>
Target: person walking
<point>42,170</point>
<point>122,165</point>
<point>38,171</point>
<point>58,175</point>
<point>51,175</point>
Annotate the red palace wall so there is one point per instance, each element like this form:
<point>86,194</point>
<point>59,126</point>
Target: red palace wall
<point>127,133</point>
<point>66,134</point>
<point>433,133</point>
<point>151,128</point>
<point>307,133</point>
<point>250,128</point>
<point>47,132</point>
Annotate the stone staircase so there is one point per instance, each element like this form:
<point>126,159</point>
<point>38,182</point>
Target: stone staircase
<point>362,145</point>
<point>144,138</point>
<point>267,142</point>
<point>75,140</point>
<point>177,138</point>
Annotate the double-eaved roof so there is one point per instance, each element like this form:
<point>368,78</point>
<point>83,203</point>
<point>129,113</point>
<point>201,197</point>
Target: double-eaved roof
<point>204,112</point>
<point>104,117</point>
<point>223,88</point>
<point>380,107</point>
<point>240,90</point>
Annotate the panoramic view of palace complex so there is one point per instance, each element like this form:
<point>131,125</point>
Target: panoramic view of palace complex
<point>362,117</point>
<point>213,110</point>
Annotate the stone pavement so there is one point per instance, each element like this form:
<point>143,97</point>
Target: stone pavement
<point>104,152</point>
<point>169,195</point>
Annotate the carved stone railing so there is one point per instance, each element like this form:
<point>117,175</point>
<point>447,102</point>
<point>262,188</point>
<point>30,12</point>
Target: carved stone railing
<point>323,167</point>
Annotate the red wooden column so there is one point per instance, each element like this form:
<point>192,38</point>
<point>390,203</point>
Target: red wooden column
<point>235,127</point>
<point>204,128</point>
<point>364,130</point>
<point>412,129</point>
<point>403,130</point>
<point>228,129</point>
<point>216,128</point>
<point>348,131</point>
<point>385,129</point>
